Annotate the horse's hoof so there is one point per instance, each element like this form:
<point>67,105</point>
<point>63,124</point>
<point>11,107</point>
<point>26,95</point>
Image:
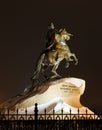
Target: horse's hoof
<point>56,76</point>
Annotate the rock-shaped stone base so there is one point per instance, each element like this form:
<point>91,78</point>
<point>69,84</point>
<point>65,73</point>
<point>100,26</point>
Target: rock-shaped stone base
<point>61,94</point>
<point>55,95</point>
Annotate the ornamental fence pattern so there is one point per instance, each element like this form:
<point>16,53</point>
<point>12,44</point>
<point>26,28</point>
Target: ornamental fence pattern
<point>52,121</point>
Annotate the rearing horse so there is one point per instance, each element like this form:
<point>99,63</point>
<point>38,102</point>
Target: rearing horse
<point>55,53</point>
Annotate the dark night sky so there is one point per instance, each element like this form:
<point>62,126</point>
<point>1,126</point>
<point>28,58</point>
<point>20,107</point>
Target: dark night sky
<point>23,27</point>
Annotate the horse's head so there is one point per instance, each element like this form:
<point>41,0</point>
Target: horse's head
<point>65,34</point>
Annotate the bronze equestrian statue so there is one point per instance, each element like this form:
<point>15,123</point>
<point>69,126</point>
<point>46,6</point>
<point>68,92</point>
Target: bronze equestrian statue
<point>56,50</point>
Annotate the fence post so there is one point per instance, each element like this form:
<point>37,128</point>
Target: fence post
<point>17,114</point>
<point>70,114</point>
<point>36,115</point>
<point>26,113</point>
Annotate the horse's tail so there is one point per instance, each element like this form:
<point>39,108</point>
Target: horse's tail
<point>38,67</point>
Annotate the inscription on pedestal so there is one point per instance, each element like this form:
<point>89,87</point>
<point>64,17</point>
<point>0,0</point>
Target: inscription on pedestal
<point>68,88</point>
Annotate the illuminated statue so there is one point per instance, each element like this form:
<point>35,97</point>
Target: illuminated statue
<point>53,95</point>
<point>56,50</point>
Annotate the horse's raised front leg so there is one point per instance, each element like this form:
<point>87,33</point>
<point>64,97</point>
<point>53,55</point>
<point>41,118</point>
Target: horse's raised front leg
<point>75,58</point>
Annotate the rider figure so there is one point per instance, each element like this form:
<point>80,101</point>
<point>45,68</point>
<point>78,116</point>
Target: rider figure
<point>50,37</point>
